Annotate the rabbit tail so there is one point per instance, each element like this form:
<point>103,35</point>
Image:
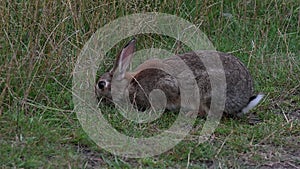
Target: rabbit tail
<point>254,100</point>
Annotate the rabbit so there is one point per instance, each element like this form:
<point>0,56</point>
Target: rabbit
<point>239,84</point>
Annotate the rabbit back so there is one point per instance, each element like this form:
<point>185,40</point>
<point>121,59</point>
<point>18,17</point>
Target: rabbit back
<point>239,84</point>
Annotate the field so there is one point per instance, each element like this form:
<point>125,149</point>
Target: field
<point>41,40</point>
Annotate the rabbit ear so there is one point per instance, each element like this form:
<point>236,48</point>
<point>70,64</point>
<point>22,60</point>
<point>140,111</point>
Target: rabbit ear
<point>124,59</point>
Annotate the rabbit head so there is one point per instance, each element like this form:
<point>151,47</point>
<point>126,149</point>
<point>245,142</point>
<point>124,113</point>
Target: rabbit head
<point>103,85</point>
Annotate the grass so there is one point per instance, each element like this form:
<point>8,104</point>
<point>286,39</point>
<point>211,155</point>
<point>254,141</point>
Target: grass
<point>39,43</point>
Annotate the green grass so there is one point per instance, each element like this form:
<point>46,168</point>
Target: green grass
<point>39,44</point>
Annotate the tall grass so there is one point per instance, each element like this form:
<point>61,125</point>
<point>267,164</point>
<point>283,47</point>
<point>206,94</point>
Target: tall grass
<point>39,43</point>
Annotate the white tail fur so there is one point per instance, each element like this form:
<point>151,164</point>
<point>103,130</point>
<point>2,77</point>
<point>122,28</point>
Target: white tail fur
<point>252,103</point>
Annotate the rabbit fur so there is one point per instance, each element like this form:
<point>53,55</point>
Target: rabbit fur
<point>239,84</point>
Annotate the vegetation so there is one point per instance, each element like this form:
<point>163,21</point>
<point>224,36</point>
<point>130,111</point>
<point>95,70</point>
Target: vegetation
<point>39,44</point>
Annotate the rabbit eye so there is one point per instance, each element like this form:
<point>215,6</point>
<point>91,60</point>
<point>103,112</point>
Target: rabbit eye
<point>101,84</point>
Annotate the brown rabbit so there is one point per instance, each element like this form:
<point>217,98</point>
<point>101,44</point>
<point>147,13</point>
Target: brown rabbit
<point>239,84</point>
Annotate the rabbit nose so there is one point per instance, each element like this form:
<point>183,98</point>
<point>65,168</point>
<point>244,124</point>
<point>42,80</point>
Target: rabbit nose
<point>101,84</point>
